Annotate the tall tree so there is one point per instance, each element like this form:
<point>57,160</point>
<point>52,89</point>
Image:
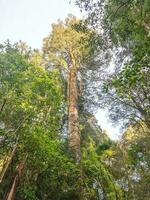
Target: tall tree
<point>68,48</point>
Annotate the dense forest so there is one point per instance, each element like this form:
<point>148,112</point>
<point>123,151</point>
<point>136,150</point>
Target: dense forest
<point>51,146</point>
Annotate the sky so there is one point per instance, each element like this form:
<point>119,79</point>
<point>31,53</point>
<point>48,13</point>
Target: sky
<point>30,21</point>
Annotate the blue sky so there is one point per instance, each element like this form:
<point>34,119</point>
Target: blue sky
<point>30,21</point>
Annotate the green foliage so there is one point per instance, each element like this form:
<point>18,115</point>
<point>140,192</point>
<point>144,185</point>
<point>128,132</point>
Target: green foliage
<point>132,155</point>
<point>99,182</point>
<point>129,20</point>
<point>125,25</point>
<point>31,100</point>
<point>71,43</point>
<point>31,111</point>
<point>130,87</point>
<point>33,108</point>
<point>27,192</point>
<point>59,180</point>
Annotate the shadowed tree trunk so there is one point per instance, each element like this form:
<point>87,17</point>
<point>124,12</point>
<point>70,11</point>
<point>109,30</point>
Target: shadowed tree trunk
<point>73,124</point>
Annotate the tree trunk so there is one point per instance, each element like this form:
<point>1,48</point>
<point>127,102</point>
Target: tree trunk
<point>6,165</point>
<point>12,190</point>
<point>73,124</point>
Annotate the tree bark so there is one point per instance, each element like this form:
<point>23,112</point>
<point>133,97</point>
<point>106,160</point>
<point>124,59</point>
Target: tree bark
<point>73,117</point>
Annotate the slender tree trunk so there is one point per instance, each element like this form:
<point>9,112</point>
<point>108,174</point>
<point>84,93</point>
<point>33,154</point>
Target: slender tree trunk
<point>6,165</point>
<point>73,124</point>
<point>12,190</point>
